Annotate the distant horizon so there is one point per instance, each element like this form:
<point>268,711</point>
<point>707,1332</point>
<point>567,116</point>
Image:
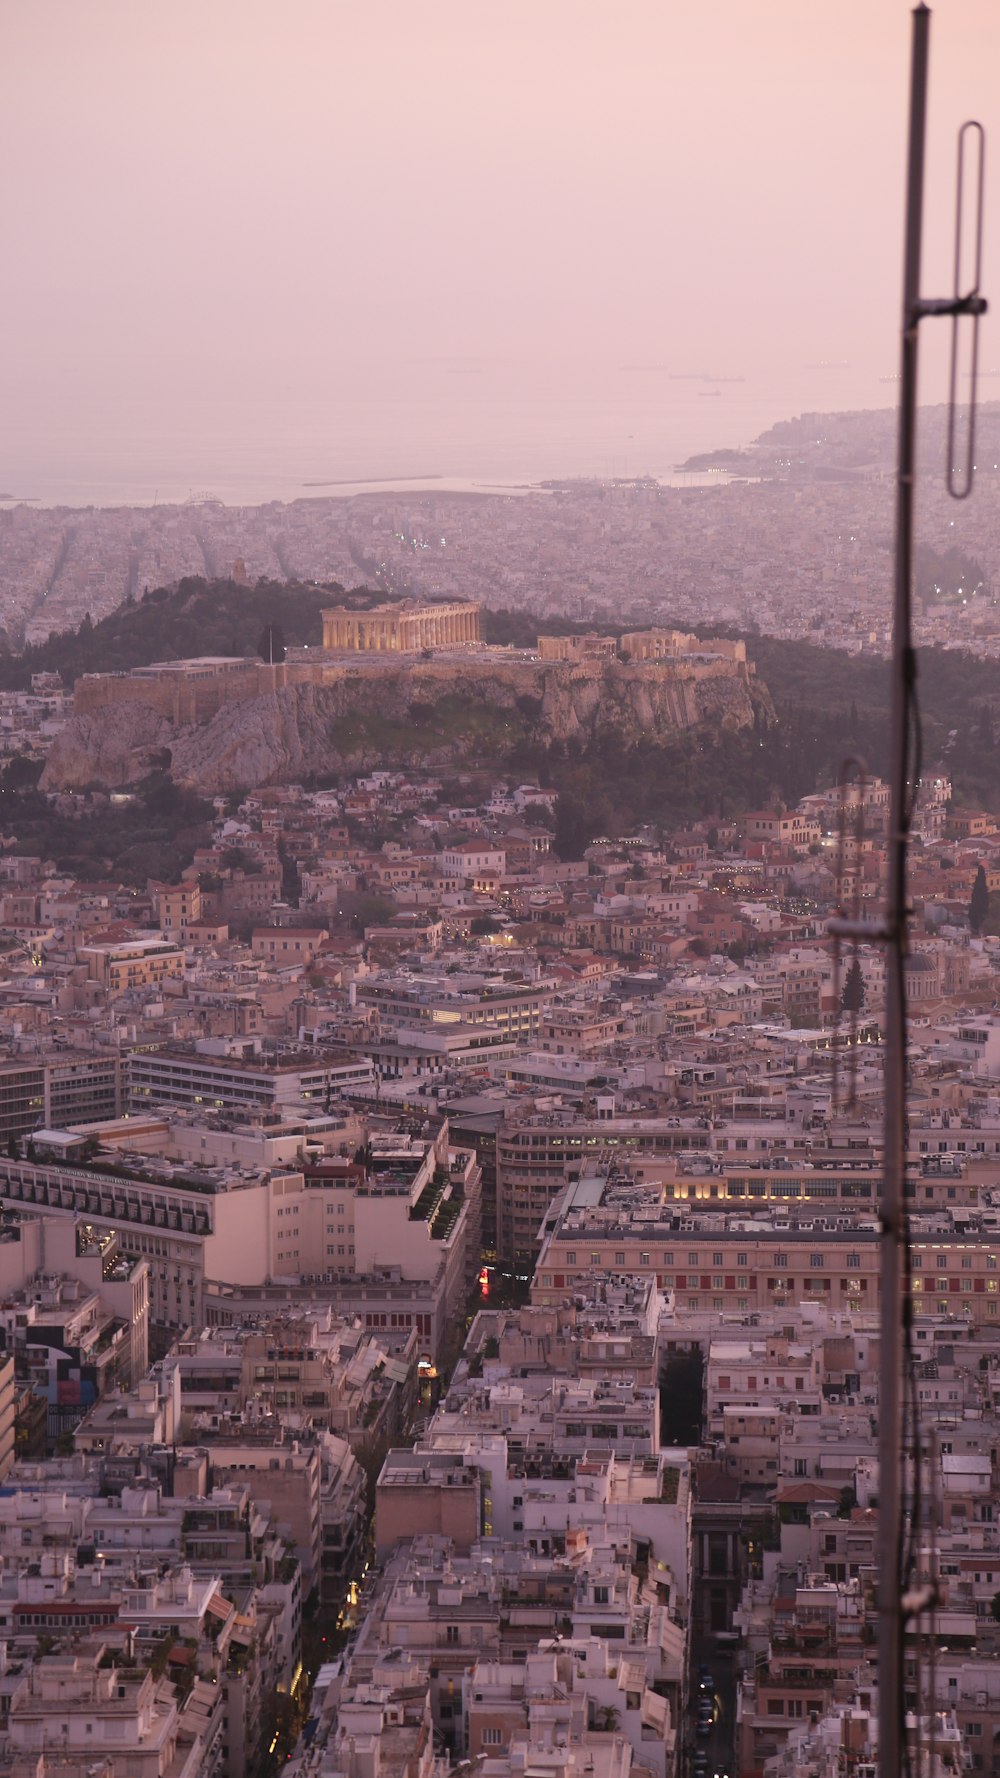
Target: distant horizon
<point>603,434</point>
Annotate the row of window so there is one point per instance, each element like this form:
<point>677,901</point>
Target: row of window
<point>817,1261</point>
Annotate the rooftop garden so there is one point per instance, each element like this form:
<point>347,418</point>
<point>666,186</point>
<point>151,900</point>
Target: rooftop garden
<point>429,1199</point>
<point>670,1485</point>
<point>445,1218</point>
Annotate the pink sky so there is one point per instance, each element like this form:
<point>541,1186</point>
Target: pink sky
<point>207,196</point>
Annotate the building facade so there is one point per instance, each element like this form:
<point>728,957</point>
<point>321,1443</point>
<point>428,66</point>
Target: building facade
<point>400,629</point>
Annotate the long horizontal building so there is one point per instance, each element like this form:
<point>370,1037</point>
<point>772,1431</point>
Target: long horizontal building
<point>407,1232</point>
<point>539,1153</point>
<point>401,629</point>
<point>729,1263</point>
<point>513,1009</point>
<point>52,1091</point>
<point>241,1076</point>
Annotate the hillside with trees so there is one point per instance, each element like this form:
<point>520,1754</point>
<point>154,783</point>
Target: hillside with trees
<point>828,706</point>
<point>196,617</point>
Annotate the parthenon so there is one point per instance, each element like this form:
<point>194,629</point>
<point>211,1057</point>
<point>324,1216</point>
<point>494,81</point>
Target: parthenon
<point>401,628</point>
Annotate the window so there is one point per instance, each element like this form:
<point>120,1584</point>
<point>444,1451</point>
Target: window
<point>644,1259</point>
<point>781,1259</point>
<point>571,1259</point>
<point>942,1262</point>
<point>716,1259</point>
<point>492,1737</point>
<point>853,1261</point>
<point>601,1595</point>
<point>692,1259</point>
<point>817,1261</point>
<point>451,1633</point>
<point>619,1259</point>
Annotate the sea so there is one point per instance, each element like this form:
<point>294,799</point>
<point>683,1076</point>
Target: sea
<point>470,426</point>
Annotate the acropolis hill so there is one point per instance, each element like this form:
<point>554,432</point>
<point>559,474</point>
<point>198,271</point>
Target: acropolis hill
<point>406,686</point>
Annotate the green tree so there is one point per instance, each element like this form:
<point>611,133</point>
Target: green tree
<point>852,998</point>
<point>979,901</point>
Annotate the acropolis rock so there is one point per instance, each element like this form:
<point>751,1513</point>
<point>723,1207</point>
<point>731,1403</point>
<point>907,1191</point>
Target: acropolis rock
<point>341,716</point>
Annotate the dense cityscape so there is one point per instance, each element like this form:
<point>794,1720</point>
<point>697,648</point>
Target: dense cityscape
<point>794,541</point>
<point>499,890</point>
<point>440,1264</point>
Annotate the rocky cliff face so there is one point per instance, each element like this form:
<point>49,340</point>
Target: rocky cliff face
<point>403,713</point>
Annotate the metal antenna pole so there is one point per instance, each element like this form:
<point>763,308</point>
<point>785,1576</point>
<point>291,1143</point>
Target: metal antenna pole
<point>891,931</point>
<point>891,1693</point>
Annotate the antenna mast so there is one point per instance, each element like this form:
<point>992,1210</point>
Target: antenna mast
<point>896,1300</point>
<point>892,931</point>
<point>891,1699</point>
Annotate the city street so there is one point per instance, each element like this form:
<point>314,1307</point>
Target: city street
<point>718,1745</point>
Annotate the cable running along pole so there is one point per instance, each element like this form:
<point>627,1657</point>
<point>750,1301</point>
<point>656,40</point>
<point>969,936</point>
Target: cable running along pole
<point>891,1729</point>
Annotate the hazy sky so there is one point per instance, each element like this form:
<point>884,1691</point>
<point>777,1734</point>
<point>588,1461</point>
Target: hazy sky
<point>204,198</point>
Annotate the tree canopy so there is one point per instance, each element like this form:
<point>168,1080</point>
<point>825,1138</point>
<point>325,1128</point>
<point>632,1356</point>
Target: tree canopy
<point>979,901</point>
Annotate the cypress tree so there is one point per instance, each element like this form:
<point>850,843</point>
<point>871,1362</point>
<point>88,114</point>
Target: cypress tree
<point>852,997</point>
<point>979,901</point>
